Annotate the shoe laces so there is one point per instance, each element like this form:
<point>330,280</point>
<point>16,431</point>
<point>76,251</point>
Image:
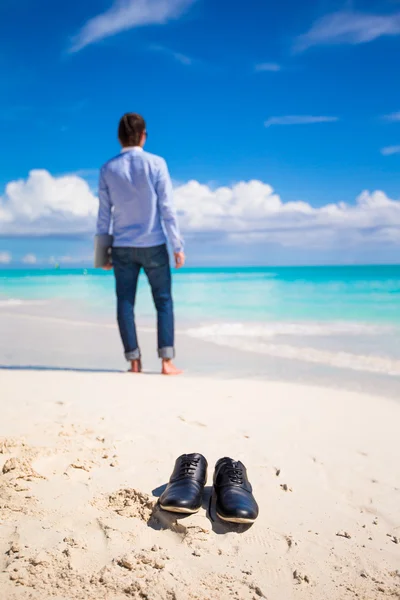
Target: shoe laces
<point>235,473</point>
<point>188,467</point>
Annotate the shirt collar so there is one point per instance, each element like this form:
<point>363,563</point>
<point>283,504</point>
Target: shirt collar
<point>128,148</point>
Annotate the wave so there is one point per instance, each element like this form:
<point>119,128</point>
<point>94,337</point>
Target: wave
<point>17,302</point>
<point>258,339</point>
<point>270,330</point>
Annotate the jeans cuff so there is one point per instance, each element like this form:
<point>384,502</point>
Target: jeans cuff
<point>167,353</point>
<point>133,354</point>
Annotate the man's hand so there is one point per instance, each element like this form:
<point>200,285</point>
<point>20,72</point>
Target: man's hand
<point>180,259</point>
<point>107,267</point>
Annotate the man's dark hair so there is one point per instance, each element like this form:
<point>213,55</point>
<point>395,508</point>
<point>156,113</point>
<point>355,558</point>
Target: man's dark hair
<point>131,129</point>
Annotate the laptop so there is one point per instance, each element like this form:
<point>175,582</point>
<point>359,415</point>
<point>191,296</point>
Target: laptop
<point>102,250</point>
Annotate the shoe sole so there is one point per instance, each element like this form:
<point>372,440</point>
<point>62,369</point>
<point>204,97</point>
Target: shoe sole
<point>235,519</point>
<point>186,511</point>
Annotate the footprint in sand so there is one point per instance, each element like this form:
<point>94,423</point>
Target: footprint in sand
<point>15,498</point>
<point>82,465</point>
<point>300,577</point>
<point>290,542</point>
<point>226,586</point>
<point>195,423</point>
<point>285,487</point>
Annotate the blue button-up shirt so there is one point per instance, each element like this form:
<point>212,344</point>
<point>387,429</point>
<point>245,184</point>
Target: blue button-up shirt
<point>135,193</point>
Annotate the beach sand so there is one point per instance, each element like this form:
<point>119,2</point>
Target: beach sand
<point>84,456</point>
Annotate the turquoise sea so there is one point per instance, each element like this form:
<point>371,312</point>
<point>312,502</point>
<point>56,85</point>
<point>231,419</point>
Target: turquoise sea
<point>342,316</point>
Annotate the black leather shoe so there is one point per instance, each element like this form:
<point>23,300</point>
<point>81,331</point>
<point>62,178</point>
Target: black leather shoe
<point>235,501</point>
<point>185,489</point>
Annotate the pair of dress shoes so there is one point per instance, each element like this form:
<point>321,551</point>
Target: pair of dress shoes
<point>235,502</point>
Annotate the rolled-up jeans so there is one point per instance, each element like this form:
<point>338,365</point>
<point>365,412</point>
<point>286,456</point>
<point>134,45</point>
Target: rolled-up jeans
<point>128,263</point>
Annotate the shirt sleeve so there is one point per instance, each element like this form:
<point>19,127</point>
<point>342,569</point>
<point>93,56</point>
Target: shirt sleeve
<point>105,206</point>
<point>167,208</point>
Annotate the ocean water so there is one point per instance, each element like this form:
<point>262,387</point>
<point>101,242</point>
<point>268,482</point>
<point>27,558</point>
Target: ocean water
<point>347,317</point>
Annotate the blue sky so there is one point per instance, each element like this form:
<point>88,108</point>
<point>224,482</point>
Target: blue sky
<point>303,97</point>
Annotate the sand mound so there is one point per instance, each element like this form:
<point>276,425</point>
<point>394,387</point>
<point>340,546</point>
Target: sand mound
<point>131,503</point>
<point>20,469</point>
<point>7,445</point>
<point>15,495</point>
<point>15,498</point>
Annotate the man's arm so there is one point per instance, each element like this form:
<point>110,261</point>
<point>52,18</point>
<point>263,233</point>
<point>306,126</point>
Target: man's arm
<point>104,216</point>
<point>168,212</point>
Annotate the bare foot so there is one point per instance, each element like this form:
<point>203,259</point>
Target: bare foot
<point>136,366</point>
<point>168,368</point>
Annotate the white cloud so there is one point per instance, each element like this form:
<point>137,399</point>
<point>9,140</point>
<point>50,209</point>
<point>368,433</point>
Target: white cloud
<point>271,67</point>
<point>43,204</point>
<point>5,258</point>
<point>298,120</point>
<point>389,150</point>
<point>392,117</point>
<point>348,27</point>
<point>254,209</point>
<point>249,211</point>
<point>29,259</point>
<point>128,14</point>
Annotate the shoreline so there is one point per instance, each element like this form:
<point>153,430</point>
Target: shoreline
<point>79,341</point>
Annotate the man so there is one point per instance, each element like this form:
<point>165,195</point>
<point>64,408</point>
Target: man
<point>135,190</point>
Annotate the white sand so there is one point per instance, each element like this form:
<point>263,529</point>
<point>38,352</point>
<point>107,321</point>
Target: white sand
<point>90,450</point>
